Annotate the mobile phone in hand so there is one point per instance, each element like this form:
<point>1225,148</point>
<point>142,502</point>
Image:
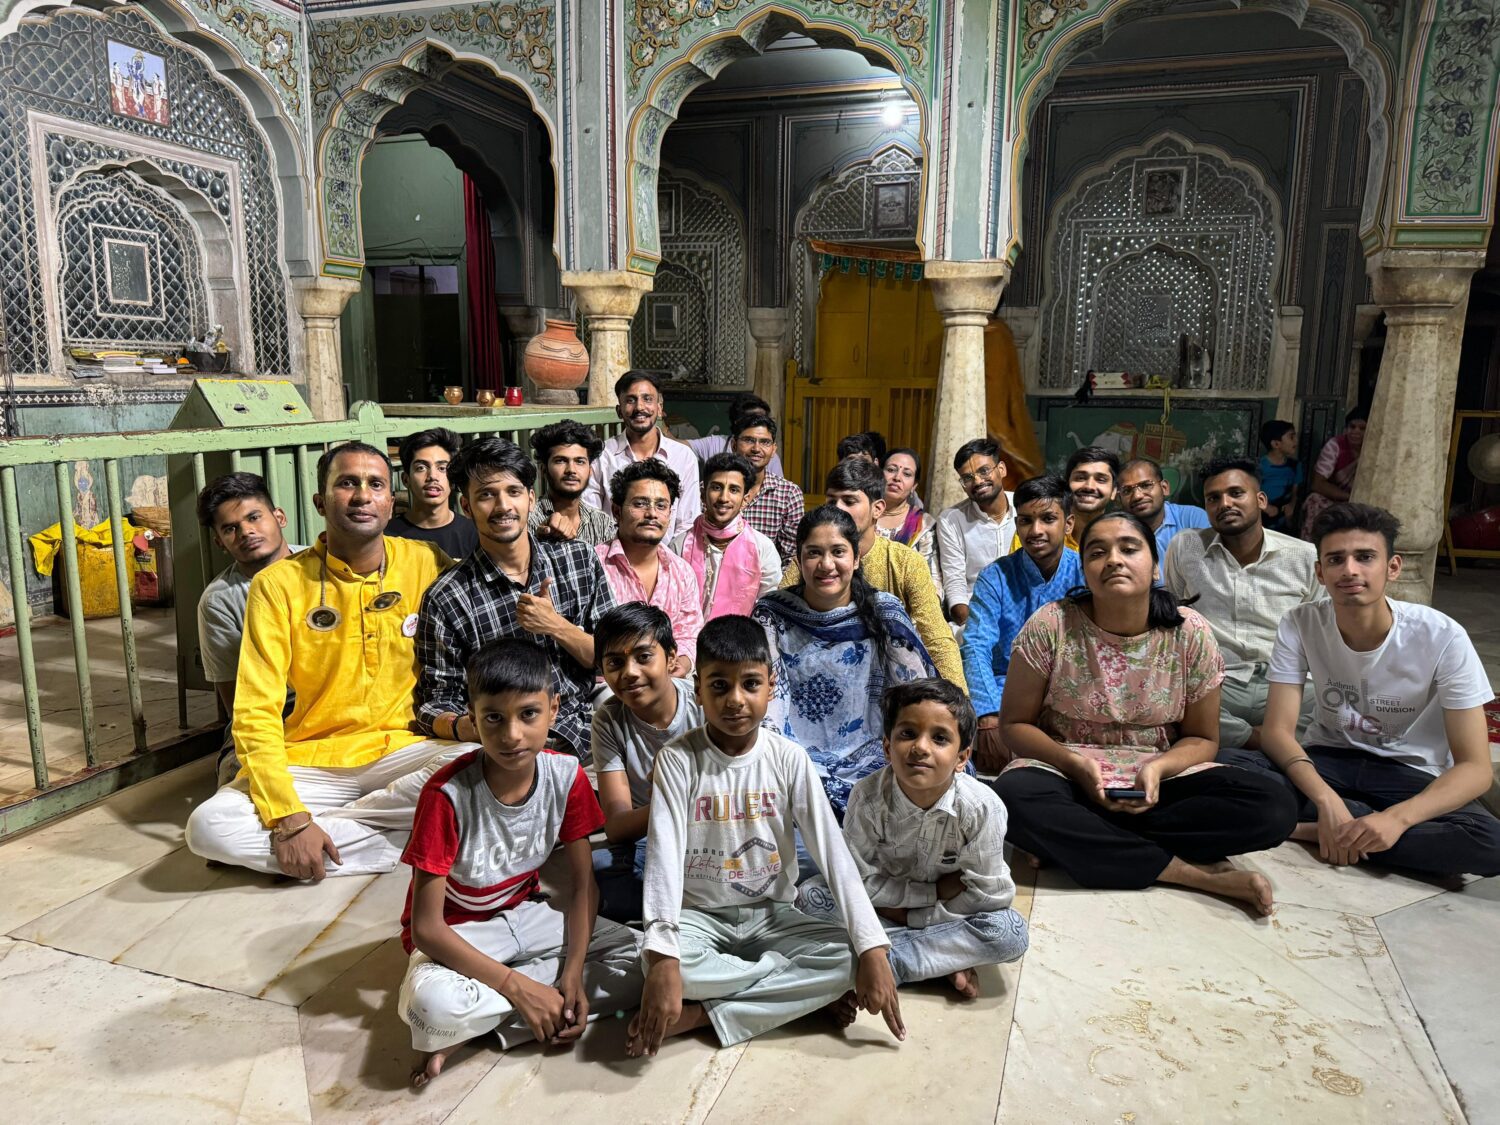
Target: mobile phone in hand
<point>1125,794</point>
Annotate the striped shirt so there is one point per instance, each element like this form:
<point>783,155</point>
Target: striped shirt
<point>475,603</point>
<point>1242,604</point>
<point>676,594</point>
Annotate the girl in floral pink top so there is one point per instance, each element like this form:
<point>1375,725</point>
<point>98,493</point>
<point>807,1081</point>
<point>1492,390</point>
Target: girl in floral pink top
<point>1111,707</point>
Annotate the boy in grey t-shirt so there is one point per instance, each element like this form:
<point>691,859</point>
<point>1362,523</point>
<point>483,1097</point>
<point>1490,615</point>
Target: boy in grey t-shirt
<point>237,511</point>
<point>634,649</point>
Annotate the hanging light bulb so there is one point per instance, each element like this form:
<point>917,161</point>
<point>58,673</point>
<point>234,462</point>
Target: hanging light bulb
<point>892,115</point>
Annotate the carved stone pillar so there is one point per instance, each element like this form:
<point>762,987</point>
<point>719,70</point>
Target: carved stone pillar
<point>1286,361</point>
<point>768,376</point>
<point>321,302</point>
<point>607,300</point>
<point>1425,294</point>
<point>965,294</point>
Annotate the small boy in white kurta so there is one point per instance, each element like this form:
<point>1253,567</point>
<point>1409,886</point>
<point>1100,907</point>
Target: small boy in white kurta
<point>721,929</point>
<point>929,842</point>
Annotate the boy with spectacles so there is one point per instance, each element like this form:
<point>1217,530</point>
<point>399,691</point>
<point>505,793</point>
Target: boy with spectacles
<point>982,529</point>
<point>637,563</point>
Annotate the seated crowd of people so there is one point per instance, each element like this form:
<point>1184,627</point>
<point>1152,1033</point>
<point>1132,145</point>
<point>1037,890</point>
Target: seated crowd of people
<point>811,732</point>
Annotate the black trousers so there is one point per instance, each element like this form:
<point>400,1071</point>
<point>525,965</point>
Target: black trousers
<point>1465,841</point>
<point>1202,818</point>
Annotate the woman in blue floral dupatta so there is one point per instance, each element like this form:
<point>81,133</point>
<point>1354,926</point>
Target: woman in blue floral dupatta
<point>838,644</point>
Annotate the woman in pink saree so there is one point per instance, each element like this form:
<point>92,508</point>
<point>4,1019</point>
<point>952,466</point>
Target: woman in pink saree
<point>1333,471</point>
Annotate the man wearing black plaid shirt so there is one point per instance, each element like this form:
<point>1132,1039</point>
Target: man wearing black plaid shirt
<point>512,585</point>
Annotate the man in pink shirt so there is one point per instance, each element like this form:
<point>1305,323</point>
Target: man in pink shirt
<point>638,565</point>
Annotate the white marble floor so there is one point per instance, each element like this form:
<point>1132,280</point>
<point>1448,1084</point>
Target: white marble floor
<point>140,985</point>
<point>202,995</point>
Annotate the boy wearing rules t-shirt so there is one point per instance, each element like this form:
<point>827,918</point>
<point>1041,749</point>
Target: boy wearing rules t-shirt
<point>1397,754</point>
<point>721,930</point>
<point>634,648</point>
<point>488,951</point>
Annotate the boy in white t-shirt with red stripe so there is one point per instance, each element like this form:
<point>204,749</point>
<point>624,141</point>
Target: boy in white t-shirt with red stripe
<point>489,951</point>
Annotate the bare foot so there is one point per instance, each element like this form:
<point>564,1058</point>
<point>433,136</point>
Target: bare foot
<point>692,1017</point>
<point>844,1010</point>
<point>965,982</point>
<point>1246,886</point>
<point>432,1066</point>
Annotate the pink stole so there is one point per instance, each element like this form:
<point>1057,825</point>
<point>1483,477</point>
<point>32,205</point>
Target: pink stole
<point>738,583</point>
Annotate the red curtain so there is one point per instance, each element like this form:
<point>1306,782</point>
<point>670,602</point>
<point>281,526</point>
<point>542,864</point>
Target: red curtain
<point>484,321</point>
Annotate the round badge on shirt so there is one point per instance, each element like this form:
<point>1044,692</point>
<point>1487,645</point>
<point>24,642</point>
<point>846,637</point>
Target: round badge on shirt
<point>409,626</point>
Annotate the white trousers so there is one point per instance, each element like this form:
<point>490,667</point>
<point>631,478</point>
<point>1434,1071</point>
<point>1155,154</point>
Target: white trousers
<point>444,1008</point>
<point>366,810</point>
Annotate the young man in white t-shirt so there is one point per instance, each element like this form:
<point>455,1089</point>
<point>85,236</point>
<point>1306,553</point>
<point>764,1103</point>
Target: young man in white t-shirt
<point>1397,754</point>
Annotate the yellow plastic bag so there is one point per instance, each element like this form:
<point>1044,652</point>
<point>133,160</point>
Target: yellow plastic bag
<point>46,543</point>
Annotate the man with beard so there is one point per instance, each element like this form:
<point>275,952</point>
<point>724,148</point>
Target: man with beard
<point>430,515</point>
<point>1143,493</point>
<point>734,563</point>
<point>514,584</point>
<point>773,504</point>
<point>975,533</point>
<point>741,406</point>
<point>564,451</point>
<point>1244,577</point>
<point>640,567</point>
<point>338,778</point>
<point>640,405</point>
<point>236,510</point>
<point>1092,474</point>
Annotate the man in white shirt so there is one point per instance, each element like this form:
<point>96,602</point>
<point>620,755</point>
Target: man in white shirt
<point>975,533</point>
<point>640,405</point>
<point>1245,578</point>
<point>1397,755</point>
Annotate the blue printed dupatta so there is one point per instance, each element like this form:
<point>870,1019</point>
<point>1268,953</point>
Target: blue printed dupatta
<point>829,681</point>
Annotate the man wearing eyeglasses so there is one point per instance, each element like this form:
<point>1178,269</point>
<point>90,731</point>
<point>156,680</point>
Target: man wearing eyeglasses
<point>639,565</point>
<point>331,788</point>
<point>982,529</point>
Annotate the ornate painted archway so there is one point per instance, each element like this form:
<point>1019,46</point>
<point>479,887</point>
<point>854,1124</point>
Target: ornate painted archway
<point>665,62</point>
<point>365,66</point>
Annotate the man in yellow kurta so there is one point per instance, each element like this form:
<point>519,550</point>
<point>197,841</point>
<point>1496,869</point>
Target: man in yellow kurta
<point>332,788</point>
<point>856,486</point>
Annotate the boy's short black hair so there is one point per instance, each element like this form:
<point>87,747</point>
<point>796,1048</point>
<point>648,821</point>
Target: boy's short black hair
<point>231,486</point>
<point>742,406</point>
<point>1358,414</point>
<point>629,622</point>
<point>1274,430</point>
<point>489,457</point>
<point>752,422</point>
<point>930,690</point>
<point>1349,516</point>
<point>439,436</point>
<point>632,377</point>
<point>325,462</point>
<point>733,639</point>
<point>1135,462</point>
<point>651,468</point>
<point>728,463</point>
<point>853,445</point>
<point>854,474</point>
<point>566,432</point>
<point>509,664</point>
<point>977,447</point>
<point>1088,455</point>
<point>1221,465</point>
<point>1048,486</point>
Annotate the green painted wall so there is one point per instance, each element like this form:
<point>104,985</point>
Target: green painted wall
<point>412,203</point>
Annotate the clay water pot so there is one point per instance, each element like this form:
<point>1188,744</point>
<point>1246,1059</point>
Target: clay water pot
<point>556,359</point>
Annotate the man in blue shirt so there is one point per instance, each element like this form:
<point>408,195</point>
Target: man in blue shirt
<point>1010,590</point>
<point>1143,493</point>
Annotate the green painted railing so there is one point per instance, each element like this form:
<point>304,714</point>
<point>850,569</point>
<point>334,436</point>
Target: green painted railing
<point>286,455</point>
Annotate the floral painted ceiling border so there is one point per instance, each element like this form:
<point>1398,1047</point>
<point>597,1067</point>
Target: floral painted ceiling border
<point>657,31</point>
<point>268,41</point>
<point>520,38</point>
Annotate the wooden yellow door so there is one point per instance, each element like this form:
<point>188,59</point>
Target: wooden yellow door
<point>876,352</point>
